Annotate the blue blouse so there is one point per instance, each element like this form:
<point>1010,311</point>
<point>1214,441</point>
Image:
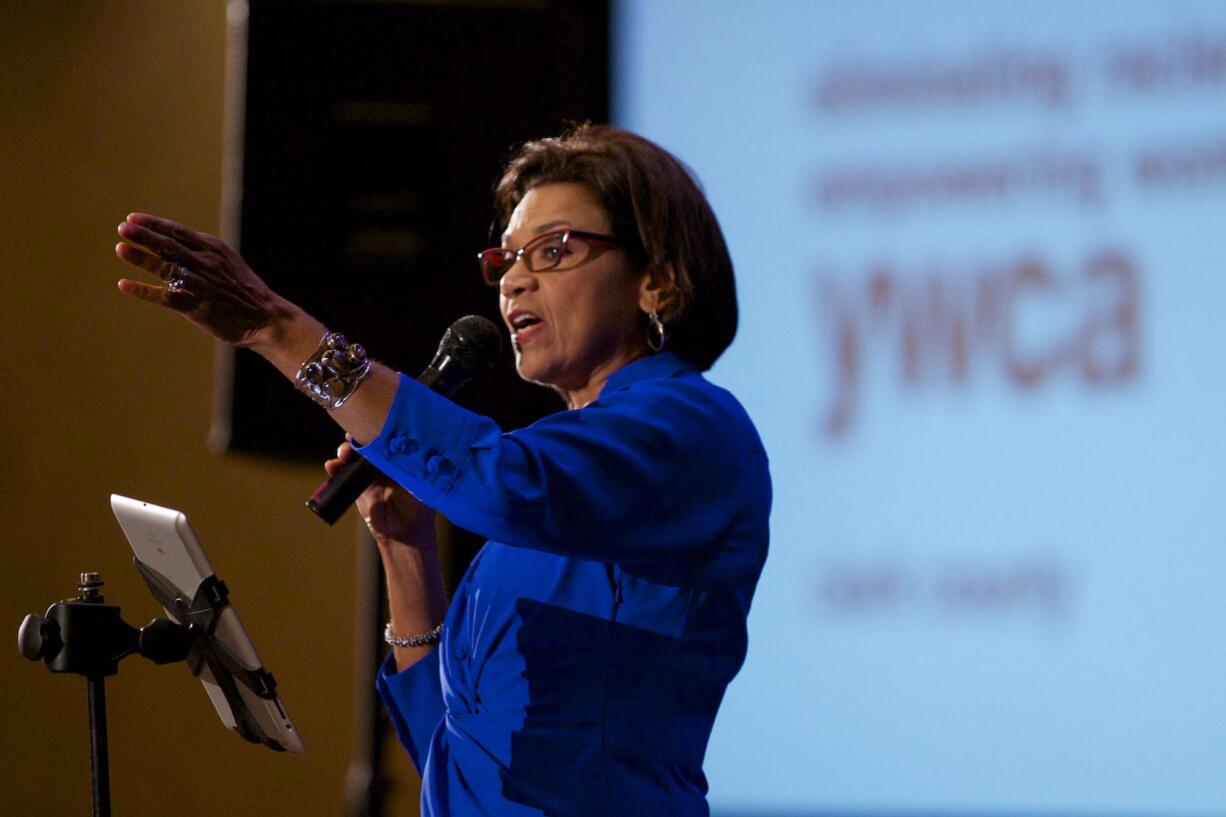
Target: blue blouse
<point>588,646</point>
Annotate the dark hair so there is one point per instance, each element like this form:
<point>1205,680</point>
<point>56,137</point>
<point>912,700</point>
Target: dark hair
<point>658,210</point>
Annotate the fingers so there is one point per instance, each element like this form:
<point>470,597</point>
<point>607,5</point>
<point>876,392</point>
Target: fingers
<point>182,235</point>
<point>157,244</point>
<point>177,301</point>
<point>343,452</point>
<point>145,292</point>
<point>165,257</point>
<point>144,260</point>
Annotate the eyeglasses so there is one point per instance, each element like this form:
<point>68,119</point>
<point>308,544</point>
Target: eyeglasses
<point>559,250</point>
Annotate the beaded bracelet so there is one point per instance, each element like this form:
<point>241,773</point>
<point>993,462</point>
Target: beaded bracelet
<point>431,637</point>
<point>333,372</point>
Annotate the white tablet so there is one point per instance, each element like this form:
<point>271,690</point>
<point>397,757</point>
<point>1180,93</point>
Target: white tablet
<point>170,558</point>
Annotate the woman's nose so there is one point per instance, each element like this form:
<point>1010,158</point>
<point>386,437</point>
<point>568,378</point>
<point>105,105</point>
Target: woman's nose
<point>516,280</point>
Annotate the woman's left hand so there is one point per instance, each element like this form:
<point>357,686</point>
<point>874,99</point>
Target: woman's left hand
<point>393,515</point>
<point>206,281</point>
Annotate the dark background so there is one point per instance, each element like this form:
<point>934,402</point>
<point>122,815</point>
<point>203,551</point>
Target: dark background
<point>375,133</point>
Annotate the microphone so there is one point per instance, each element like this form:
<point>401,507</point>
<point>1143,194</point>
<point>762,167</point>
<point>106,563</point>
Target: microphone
<point>470,344</point>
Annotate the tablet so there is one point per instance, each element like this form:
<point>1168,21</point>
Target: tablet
<point>170,557</point>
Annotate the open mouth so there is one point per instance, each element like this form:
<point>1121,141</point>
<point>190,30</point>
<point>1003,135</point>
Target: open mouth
<point>523,326</point>
<point>523,321</point>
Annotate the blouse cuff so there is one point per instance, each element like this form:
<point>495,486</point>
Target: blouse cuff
<point>424,442</point>
<point>414,701</point>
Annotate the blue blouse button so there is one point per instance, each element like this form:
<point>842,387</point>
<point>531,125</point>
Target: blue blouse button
<point>438,464</point>
<point>401,444</point>
<point>461,653</point>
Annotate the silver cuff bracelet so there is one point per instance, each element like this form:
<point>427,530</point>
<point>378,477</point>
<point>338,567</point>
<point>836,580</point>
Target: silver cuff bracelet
<point>333,373</point>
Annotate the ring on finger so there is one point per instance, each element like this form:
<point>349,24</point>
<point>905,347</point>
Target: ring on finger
<point>177,282</point>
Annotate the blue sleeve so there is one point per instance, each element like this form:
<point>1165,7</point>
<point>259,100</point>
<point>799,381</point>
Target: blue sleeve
<point>414,701</point>
<point>661,465</point>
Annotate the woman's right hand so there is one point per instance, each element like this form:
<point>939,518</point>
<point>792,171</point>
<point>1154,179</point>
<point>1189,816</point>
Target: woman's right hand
<point>206,281</point>
<point>391,512</point>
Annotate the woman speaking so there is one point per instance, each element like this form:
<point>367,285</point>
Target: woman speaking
<point>579,667</point>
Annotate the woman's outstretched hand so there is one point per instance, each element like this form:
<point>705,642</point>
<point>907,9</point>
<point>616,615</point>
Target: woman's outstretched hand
<point>207,282</point>
<point>203,278</point>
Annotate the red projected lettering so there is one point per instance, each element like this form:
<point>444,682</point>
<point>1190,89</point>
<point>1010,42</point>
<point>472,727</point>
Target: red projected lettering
<point>1187,165</point>
<point>1180,63</point>
<point>1037,584</point>
<point>1025,320</point>
<point>1039,175</point>
<point>1004,77</point>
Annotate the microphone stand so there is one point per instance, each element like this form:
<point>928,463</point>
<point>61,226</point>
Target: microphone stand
<point>85,635</point>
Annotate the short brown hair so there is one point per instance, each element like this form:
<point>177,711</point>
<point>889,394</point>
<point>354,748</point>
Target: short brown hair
<point>658,210</point>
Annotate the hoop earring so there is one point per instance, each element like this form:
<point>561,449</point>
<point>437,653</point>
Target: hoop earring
<point>656,336</point>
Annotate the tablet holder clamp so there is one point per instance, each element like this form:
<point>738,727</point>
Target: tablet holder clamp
<point>86,636</point>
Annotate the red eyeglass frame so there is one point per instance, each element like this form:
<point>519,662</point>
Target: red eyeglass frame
<point>515,255</point>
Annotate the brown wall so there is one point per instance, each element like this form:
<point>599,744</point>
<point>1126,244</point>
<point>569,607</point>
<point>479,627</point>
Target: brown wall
<point>110,106</point>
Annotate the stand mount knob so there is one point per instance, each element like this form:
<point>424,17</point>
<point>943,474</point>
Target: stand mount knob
<point>38,638</point>
<point>164,642</point>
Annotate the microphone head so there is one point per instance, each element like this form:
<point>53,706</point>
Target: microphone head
<point>471,342</point>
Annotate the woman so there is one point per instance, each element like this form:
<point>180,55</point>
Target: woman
<point>580,665</point>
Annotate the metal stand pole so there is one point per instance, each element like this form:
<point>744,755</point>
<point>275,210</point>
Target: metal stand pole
<point>364,781</point>
<point>100,763</point>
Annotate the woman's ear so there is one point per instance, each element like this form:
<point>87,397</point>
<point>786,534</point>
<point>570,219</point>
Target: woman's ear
<point>658,291</point>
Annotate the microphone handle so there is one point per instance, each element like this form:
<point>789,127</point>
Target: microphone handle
<point>334,496</point>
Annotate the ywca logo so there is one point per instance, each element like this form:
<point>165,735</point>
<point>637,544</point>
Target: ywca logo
<point>1024,320</point>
